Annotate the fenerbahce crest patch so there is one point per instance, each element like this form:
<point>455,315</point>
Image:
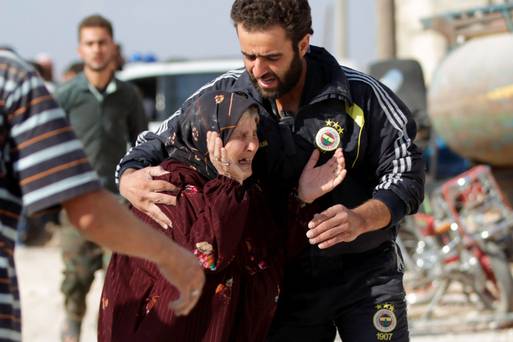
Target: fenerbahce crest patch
<point>328,137</point>
<point>384,321</point>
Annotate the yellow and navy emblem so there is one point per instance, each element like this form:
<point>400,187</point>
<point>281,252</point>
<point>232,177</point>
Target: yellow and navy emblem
<point>328,137</point>
<point>384,319</point>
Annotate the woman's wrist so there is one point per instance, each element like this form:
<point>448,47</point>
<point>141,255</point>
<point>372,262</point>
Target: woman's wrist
<point>299,197</point>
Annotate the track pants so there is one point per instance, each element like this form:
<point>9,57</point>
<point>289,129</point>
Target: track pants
<point>360,295</point>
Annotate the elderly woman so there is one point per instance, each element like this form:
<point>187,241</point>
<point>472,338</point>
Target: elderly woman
<point>220,215</point>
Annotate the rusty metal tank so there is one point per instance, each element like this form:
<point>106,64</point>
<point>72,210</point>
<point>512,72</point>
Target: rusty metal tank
<point>470,100</point>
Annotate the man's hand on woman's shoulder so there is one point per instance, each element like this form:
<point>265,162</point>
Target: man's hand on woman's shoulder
<point>143,192</point>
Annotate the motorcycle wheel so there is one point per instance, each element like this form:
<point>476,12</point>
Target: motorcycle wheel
<point>500,291</point>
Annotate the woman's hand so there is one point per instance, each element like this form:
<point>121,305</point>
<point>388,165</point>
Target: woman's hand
<point>317,181</point>
<point>219,158</point>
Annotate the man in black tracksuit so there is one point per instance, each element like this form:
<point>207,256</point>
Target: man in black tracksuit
<point>350,278</point>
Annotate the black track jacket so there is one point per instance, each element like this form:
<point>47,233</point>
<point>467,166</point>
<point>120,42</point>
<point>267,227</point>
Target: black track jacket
<point>376,132</point>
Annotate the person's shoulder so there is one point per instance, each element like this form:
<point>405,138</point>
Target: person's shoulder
<point>9,58</point>
<point>232,74</point>
<point>70,85</point>
<point>128,89</point>
<point>63,92</point>
<point>128,92</point>
<point>371,94</point>
<point>125,84</point>
<point>181,173</point>
<point>226,81</point>
<point>14,68</point>
<point>362,84</point>
<point>357,76</point>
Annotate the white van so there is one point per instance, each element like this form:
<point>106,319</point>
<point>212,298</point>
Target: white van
<point>166,85</point>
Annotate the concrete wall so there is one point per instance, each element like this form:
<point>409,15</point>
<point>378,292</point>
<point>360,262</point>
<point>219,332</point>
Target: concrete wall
<point>427,46</point>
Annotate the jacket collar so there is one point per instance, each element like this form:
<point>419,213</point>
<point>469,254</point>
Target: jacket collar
<point>84,85</point>
<point>325,79</point>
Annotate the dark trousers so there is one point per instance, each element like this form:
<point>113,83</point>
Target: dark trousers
<point>82,258</point>
<point>360,295</point>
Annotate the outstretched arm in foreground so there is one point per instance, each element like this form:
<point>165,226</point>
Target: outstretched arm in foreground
<point>103,220</point>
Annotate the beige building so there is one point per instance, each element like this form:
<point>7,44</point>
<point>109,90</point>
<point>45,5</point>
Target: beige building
<point>427,46</point>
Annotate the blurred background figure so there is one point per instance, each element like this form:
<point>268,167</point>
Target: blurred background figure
<point>72,70</point>
<point>106,115</point>
<point>119,60</point>
<point>46,63</point>
<point>45,68</point>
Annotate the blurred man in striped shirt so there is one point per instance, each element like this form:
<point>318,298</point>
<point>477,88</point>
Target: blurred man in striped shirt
<point>42,165</point>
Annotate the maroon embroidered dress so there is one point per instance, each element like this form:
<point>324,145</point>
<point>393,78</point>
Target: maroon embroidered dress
<point>232,234</point>
<point>229,228</point>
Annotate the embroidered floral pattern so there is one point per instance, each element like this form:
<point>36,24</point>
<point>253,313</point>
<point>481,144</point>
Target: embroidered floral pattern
<point>195,134</point>
<point>262,265</point>
<point>204,252</point>
<point>150,303</point>
<point>253,262</point>
<point>224,291</point>
<point>191,189</point>
<point>172,138</point>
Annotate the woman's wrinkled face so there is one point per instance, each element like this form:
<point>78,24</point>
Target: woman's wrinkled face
<point>243,143</point>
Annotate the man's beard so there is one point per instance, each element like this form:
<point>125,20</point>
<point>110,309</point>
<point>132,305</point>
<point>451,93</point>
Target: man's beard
<point>289,81</point>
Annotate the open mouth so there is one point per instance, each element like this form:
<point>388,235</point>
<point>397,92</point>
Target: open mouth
<point>268,81</point>
<point>244,162</point>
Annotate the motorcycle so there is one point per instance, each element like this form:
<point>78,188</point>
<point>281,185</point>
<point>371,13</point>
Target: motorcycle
<point>457,252</point>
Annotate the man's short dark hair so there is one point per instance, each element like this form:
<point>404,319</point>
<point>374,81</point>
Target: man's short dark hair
<point>294,16</point>
<point>96,20</point>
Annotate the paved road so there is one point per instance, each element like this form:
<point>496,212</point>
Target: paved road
<point>40,275</point>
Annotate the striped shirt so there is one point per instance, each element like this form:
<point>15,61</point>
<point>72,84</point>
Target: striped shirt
<point>42,164</point>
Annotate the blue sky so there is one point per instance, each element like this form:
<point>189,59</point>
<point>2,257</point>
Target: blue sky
<point>168,28</point>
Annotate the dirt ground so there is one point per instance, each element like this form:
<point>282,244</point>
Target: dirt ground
<point>40,274</point>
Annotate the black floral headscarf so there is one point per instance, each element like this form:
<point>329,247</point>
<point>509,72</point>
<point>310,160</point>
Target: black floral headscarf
<point>218,111</point>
